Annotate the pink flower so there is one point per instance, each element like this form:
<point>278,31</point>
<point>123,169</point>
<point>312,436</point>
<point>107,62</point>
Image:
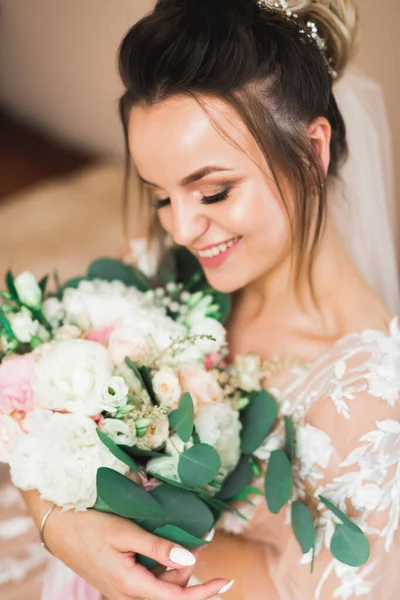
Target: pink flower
<point>100,335</point>
<point>201,385</point>
<point>211,360</point>
<point>10,430</point>
<point>16,384</point>
<point>127,341</point>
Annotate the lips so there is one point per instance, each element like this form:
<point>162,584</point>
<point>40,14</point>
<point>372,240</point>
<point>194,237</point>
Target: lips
<point>215,256</point>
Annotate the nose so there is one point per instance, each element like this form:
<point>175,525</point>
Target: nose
<point>189,222</point>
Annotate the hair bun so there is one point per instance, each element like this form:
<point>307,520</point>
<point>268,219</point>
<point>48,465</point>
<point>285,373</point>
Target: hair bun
<point>337,22</point>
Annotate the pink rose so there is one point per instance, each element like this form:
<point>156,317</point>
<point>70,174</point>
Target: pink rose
<point>212,360</point>
<point>16,384</point>
<point>10,430</point>
<point>127,342</point>
<point>101,335</point>
<point>201,385</point>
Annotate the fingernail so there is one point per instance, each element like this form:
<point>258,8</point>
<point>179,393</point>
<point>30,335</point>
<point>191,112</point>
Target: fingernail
<point>226,587</point>
<point>182,557</point>
<point>210,535</point>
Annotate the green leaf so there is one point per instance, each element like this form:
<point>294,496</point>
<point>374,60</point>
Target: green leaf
<point>147,562</point>
<point>278,481</point>
<point>303,526</point>
<point>167,270</point>
<point>117,451</point>
<point>199,465</point>
<point>126,498</point>
<point>257,420</point>
<point>148,383</point>
<point>179,536</point>
<point>289,444</point>
<point>349,546</point>
<point>224,303</point>
<point>11,287</point>
<point>187,266</point>
<point>43,284</point>
<point>184,509</point>
<point>71,283</point>
<point>177,484</point>
<point>237,480</point>
<point>110,269</point>
<point>102,506</point>
<point>181,420</point>
<point>340,515</point>
<point>136,453</point>
<point>5,326</point>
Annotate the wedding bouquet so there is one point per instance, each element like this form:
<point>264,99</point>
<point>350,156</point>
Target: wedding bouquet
<point>116,395</point>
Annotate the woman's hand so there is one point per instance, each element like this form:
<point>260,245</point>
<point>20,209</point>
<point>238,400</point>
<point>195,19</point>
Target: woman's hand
<point>101,549</point>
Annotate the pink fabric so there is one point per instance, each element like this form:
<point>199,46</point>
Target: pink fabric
<point>60,583</point>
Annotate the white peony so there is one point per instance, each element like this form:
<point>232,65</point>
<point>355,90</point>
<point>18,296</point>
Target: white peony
<point>127,342</point>
<point>119,432</point>
<point>28,290</point>
<point>219,425</point>
<point>10,430</point>
<point>53,310</point>
<point>210,327</point>
<point>23,326</point>
<point>60,456</point>
<point>115,394</point>
<point>71,376</point>
<point>249,372</point>
<point>167,388</point>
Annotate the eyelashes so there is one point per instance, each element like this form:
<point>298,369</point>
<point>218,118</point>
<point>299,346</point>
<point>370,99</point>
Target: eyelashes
<point>207,200</point>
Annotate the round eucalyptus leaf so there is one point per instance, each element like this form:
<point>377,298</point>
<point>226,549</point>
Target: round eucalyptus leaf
<point>181,420</point>
<point>303,526</point>
<point>349,546</point>
<point>199,465</point>
<point>278,481</point>
<point>257,420</point>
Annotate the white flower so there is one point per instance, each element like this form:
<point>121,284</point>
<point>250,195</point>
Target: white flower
<point>115,394</point>
<point>71,376</point>
<point>248,371</point>
<point>10,430</point>
<point>157,433</point>
<point>135,385</point>
<point>219,425</point>
<point>167,388</point>
<point>23,326</point>
<point>210,327</point>
<point>67,332</point>
<point>165,466</point>
<point>53,310</point>
<point>200,384</point>
<point>119,432</point>
<point>60,456</point>
<point>28,289</point>
<point>367,497</point>
<point>127,342</point>
<point>313,447</point>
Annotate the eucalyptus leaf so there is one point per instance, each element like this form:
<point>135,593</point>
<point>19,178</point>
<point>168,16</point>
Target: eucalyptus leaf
<point>102,506</point>
<point>70,283</point>
<point>181,420</point>
<point>224,303</point>
<point>349,546</point>
<point>237,480</point>
<point>289,442</point>
<point>117,451</point>
<point>179,536</point>
<point>257,420</point>
<point>111,270</point>
<point>5,326</point>
<point>148,383</point>
<point>199,465</point>
<point>340,515</point>
<point>126,498</point>
<point>303,526</point>
<point>278,481</point>
<point>135,452</point>
<point>177,484</point>
<point>11,287</point>
<point>43,284</point>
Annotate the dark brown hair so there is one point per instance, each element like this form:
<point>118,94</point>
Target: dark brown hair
<point>258,62</point>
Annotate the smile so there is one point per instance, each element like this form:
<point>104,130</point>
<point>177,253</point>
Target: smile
<point>217,249</point>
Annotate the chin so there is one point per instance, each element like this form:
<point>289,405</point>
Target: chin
<point>227,283</point>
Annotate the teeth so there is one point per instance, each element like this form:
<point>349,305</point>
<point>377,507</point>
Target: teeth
<point>215,250</point>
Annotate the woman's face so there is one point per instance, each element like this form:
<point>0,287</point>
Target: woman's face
<point>229,215</point>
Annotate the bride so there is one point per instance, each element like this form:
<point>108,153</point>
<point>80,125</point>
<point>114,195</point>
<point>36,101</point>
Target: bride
<point>231,122</point>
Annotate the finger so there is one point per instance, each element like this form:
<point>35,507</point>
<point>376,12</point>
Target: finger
<point>148,586</point>
<point>182,576</point>
<point>132,538</point>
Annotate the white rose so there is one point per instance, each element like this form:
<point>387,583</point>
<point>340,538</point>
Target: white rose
<point>165,466</point>
<point>28,290</point>
<point>60,456</point>
<point>119,432</point>
<point>23,326</point>
<point>157,433</point>
<point>210,327</point>
<point>53,310</point>
<point>201,385</point>
<point>167,388</point>
<point>115,394</point>
<point>127,342</point>
<point>313,447</point>
<point>71,376</point>
<point>219,425</point>
<point>248,370</point>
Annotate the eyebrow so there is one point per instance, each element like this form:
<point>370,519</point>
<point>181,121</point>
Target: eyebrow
<point>195,176</point>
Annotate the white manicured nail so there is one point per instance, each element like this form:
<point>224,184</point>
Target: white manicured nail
<point>210,535</point>
<point>226,587</point>
<point>182,557</point>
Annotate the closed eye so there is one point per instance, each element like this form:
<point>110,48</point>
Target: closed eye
<point>205,199</point>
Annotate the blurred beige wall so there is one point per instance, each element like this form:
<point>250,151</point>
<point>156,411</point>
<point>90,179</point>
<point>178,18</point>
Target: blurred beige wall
<point>58,64</point>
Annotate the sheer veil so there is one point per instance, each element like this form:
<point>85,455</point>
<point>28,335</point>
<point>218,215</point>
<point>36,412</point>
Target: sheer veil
<point>364,202</point>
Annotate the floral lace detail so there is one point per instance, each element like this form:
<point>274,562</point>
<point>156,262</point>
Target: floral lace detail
<point>346,413</point>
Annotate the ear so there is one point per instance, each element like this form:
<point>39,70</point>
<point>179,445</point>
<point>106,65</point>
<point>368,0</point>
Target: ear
<point>319,132</point>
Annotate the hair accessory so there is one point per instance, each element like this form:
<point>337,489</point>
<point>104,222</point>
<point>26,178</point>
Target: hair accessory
<point>42,524</point>
<point>309,30</point>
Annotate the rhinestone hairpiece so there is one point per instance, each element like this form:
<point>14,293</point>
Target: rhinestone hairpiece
<point>309,30</point>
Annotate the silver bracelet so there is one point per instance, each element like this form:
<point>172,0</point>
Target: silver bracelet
<point>42,524</point>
